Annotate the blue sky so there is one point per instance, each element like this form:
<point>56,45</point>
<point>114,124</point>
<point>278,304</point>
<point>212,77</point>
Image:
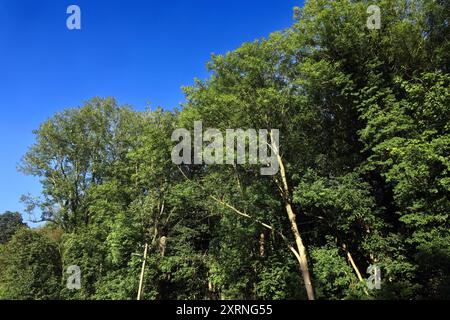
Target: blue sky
<point>135,50</point>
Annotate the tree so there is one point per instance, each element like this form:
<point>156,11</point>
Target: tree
<point>77,149</point>
<point>10,223</point>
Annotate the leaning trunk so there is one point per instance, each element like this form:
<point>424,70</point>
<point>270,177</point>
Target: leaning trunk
<point>302,256</point>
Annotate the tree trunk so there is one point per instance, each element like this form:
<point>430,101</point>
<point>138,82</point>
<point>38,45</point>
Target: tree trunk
<point>302,253</point>
<point>354,266</point>
<point>141,280</point>
<point>303,259</point>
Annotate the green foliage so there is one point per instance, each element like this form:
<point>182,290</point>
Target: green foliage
<point>10,223</point>
<point>364,121</point>
<point>87,251</point>
<point>333,276</point>
<point>30,267</point>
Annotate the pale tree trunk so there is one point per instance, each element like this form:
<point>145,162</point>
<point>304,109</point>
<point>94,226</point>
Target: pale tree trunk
<point>302,253</point>
<point>352,262</point>
<point>302,258</point>
<point>141,279</point>
<point>354,266</point>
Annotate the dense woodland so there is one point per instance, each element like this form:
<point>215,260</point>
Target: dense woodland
<point>364,120</point>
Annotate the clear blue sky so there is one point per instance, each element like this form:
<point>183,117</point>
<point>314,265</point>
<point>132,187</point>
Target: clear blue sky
<point>134,50</point>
